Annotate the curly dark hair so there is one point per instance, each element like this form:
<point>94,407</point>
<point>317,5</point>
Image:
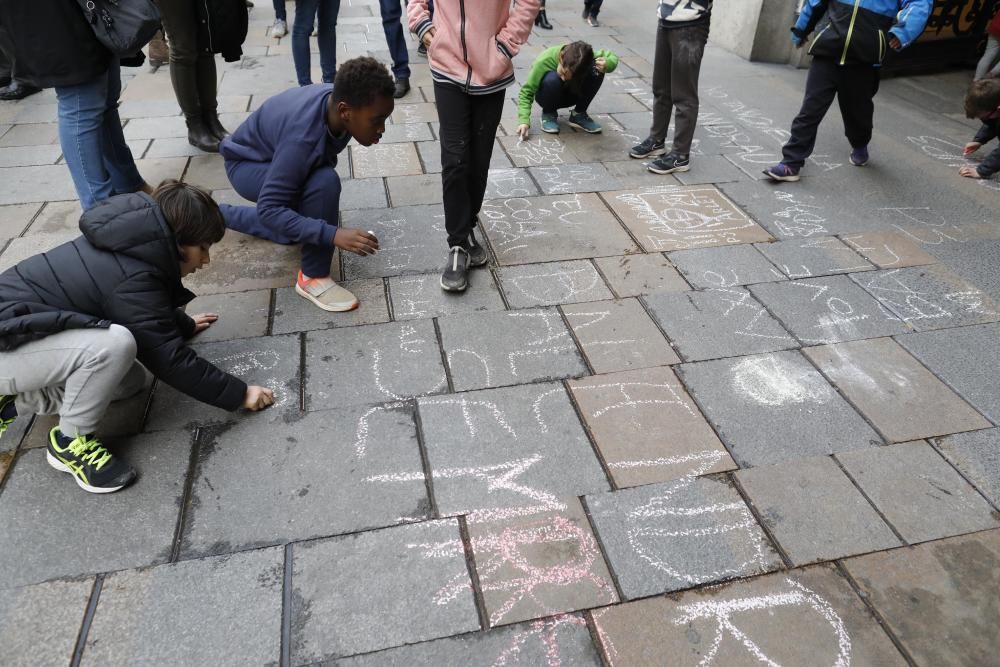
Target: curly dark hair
<point>578,58</point>
<point>983,97</point>
<point>191,212</point>
<point>361,80</point>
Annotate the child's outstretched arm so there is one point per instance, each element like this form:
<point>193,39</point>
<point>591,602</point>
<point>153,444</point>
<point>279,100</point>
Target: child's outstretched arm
<point>610,59</point>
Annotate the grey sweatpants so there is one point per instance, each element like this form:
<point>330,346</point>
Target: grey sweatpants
<point>74,373</point>
<point>676,67</point>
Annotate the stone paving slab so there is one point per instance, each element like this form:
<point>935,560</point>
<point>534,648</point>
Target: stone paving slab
<point>161,614</point>
<point>939,598</point>
<point>814,511</point>
<point>918,492</point>
<point>717,323</point>
<point>372,364</point>
<point>537,151</point>
<point>292,313</point>
<point>888,249</point>
<point>571,178</point>
<point>412,239</point>
<point>241,263</point>
<point>378,590</point>
<point>771,408</point>
<point>271,362</point>
<point>977,456</point>
<point>25,156</point>
<point>241,314</point>
<point>552,228</point>
<point>725,266</point>
<point>813,257</point>
<point>678,218</point>
<point>28,614</point>
<point>503,348</point>
<point>510,183</point>
<point>634,275</point>
<point>803,617</point>
<point>406,132</point>
<point>362,193</point>
<point>930,297</point>
<point>675,535</point>
<point>382,160</point>
<point>40,183</point>
<point>57,217</point>
<point>415,190</point>
<point>614,144</point>
<point>44,513</point>
<point>900,397</point>
<point>710,169</point>
<point>633,173</point>
<point>430,156</point>
<point>520,450</point>
<point>231,511</point>
<point>647,428</point>
<point>562,639</point>
<point>618,336</point>
<point>14,219</point>
<point>172,147</point>
<point>530,285</point>
<point>827,310</point>
<point>30,134</point>
<point>421,297</point>
<point>421,112</point>
<point>540,565</point>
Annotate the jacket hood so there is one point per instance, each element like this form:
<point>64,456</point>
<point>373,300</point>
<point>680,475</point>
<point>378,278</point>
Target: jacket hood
<point>133,225</point>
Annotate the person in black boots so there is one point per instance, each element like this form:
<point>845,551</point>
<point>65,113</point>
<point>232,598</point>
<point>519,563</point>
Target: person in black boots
<point>197,31</point>
<point>591,8</point>
<point>542,21</point>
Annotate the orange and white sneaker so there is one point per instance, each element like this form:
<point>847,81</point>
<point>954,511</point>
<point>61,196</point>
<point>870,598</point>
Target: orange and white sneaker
<point>325,293</point>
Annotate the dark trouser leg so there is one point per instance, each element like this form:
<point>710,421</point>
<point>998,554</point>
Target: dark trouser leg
<point>280,13</point>
<point>326,38</point>
<point>305,15</point>
<point>180,21</point>
<point>856,96</point>
<point>687,46</point>
<point>6,70</point>
<point>821,87</point>
<point>588,91</point>
<point>663,104</point>
<point>208,84</point>
<point>552,94</point>
<point>321,200</point>
<point>392,26</point>
<point>486,113</point>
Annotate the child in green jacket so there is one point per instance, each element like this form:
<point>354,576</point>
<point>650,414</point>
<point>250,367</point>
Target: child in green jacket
<point>561,77</point>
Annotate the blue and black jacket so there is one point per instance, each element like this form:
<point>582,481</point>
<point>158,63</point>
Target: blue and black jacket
<point>858,31</point>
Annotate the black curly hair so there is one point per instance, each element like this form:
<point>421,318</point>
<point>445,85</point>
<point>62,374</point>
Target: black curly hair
<point>360,81</point>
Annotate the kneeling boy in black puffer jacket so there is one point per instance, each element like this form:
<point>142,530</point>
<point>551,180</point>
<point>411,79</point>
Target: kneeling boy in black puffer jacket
<point>78,324</point>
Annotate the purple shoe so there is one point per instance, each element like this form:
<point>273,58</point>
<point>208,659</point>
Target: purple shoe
<point>782,172</point>
<point>859,156</point>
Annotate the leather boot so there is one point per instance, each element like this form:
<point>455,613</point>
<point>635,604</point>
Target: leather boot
<point>542,20</point>
<point>184,78</point>
<point>214,125</point>
<point>200,136</point>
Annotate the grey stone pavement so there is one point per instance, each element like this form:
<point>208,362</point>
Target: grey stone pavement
<point>701,420</point>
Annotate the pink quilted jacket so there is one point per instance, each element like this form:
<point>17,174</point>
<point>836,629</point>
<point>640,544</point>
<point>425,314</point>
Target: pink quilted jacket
<point>474,40</point>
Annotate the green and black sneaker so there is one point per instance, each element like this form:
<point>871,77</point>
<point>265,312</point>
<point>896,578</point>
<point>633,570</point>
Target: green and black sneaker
<point>94,468</point>
<point>8,412</point>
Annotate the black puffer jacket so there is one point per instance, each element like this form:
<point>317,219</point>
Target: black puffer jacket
<point>222,27</point>
<point>125,270</point>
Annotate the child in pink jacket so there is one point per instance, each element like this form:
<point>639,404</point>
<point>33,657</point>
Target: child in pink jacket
<point>470,44</point>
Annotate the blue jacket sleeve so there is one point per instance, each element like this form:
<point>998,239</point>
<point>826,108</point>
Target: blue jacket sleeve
<point>283,185</point>
<point>811,14</point>
<point>911,20</point>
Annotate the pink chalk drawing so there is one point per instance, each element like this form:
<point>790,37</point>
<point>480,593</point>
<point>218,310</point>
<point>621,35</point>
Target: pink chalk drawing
<point>547,632</point>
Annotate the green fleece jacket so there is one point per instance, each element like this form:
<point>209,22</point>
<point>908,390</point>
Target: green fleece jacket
<point>548,61</point>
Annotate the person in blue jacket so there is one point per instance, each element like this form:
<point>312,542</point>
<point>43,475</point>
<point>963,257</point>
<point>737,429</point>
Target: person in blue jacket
<point>847,54</point>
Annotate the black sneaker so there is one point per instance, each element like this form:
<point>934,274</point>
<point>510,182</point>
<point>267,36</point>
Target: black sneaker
<point>455,277</point>
<point>8,412</point>
<point>646,148</point>
<point>477,253</point>
<point>94,468</point>
<point>670,163</point>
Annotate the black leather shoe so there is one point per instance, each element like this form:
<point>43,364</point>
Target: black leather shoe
<point>215,126</point>
<point>201,137</point>
<point>402,88</point>
<point>542,21</point>
<point>17,91</point>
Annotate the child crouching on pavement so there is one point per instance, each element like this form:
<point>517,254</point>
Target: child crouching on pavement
<point>561,77</point>
<point>983,102</point>
<point>79,323</point>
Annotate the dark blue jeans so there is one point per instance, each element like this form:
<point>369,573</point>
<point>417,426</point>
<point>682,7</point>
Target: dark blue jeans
<point>279,10</point>
<point>305,14</point>
<point>593,6</point>
<point>553,94</point>
<point>392,26</point>
<point>319,198</point>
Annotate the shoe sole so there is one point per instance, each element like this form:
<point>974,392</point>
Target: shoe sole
<point>581,127</point>
<point>859,164</point>
<point>672,170</point>
<point>655,151</point>
<point>555,131</point>
<point>61,467</point>
<point>336,308</point>
<point>486,260</point>
<point>781,179</point>
<point>454,289</point>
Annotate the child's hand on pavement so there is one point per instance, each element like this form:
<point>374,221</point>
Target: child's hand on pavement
<point>203,321</point>
<point>522,131</point>
<point>257,398</point>
<point>969,171</point>
<point>600,64</point>
<point>971,147</point>
<point>355,240</point>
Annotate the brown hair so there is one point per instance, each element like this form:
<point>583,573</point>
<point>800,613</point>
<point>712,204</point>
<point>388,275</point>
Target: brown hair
<point>578,58</point>
<point>983,97</point>
<point>191,212</point>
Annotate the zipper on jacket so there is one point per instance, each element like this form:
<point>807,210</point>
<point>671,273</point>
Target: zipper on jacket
<point>208,27</point>
<point>850,31</point>
<point>465,48</point>
<point>816,39</point>
<point>881,46</point>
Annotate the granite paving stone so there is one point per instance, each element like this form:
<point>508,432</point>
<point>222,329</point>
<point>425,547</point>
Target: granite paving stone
<point>293,313</point>
<point>965,359</point>
<point>172,147</point>
<point>812,257</point>
<point>888,249</point>
<point>647,428</point>
<point>383,160</point>
<point>219,611</point>
<point>24,156</point>
<point>771,408</point>
<point>618,336</point>
<point>510,183</point>
<point>412,239</point>
<point>507,452</point>
<point>23,185</point>
<point>564,639</point>
<point>539,565</point>
<point>709,169</point>
<point>271,362</point>
<point>415,190</point>
<point>930,297</point>
<point>372,364</point>
<point>814,511</point>
<point>421,112</point>
<point>45,514</point>
<point>57,217</point>
<point>938,598</point>
<point>503,348</point>
<point>231,511</point>
<point>421,296</point>
<point>241,263</point>
<point>571,178</point>
<point>614,144</point>
<point>543,229</point>
<point>678,218</point>
<point>977,456</point>
<point>900,397</point>
<point>241,314</point>
<point>378,590</point>
<point>28,614</point>
<point>404,132</point>
<point>827,310</point>
<point>537,151</point>
<point>530,285</point>
<point>804,617</point>
<point>918,492</point>
<point>362,193</point>
<point>725,266</point>
<point>14,219</point>
<point>430,156</point>
<point>718,323</point>
<point>634,275</point>
<point>155,128</point>
<point>30,134</point>
<point>205,171</point>
<point>675,535</point>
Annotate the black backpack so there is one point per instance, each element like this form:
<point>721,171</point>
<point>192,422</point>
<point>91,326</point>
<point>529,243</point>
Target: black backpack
<point>122,26</point>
